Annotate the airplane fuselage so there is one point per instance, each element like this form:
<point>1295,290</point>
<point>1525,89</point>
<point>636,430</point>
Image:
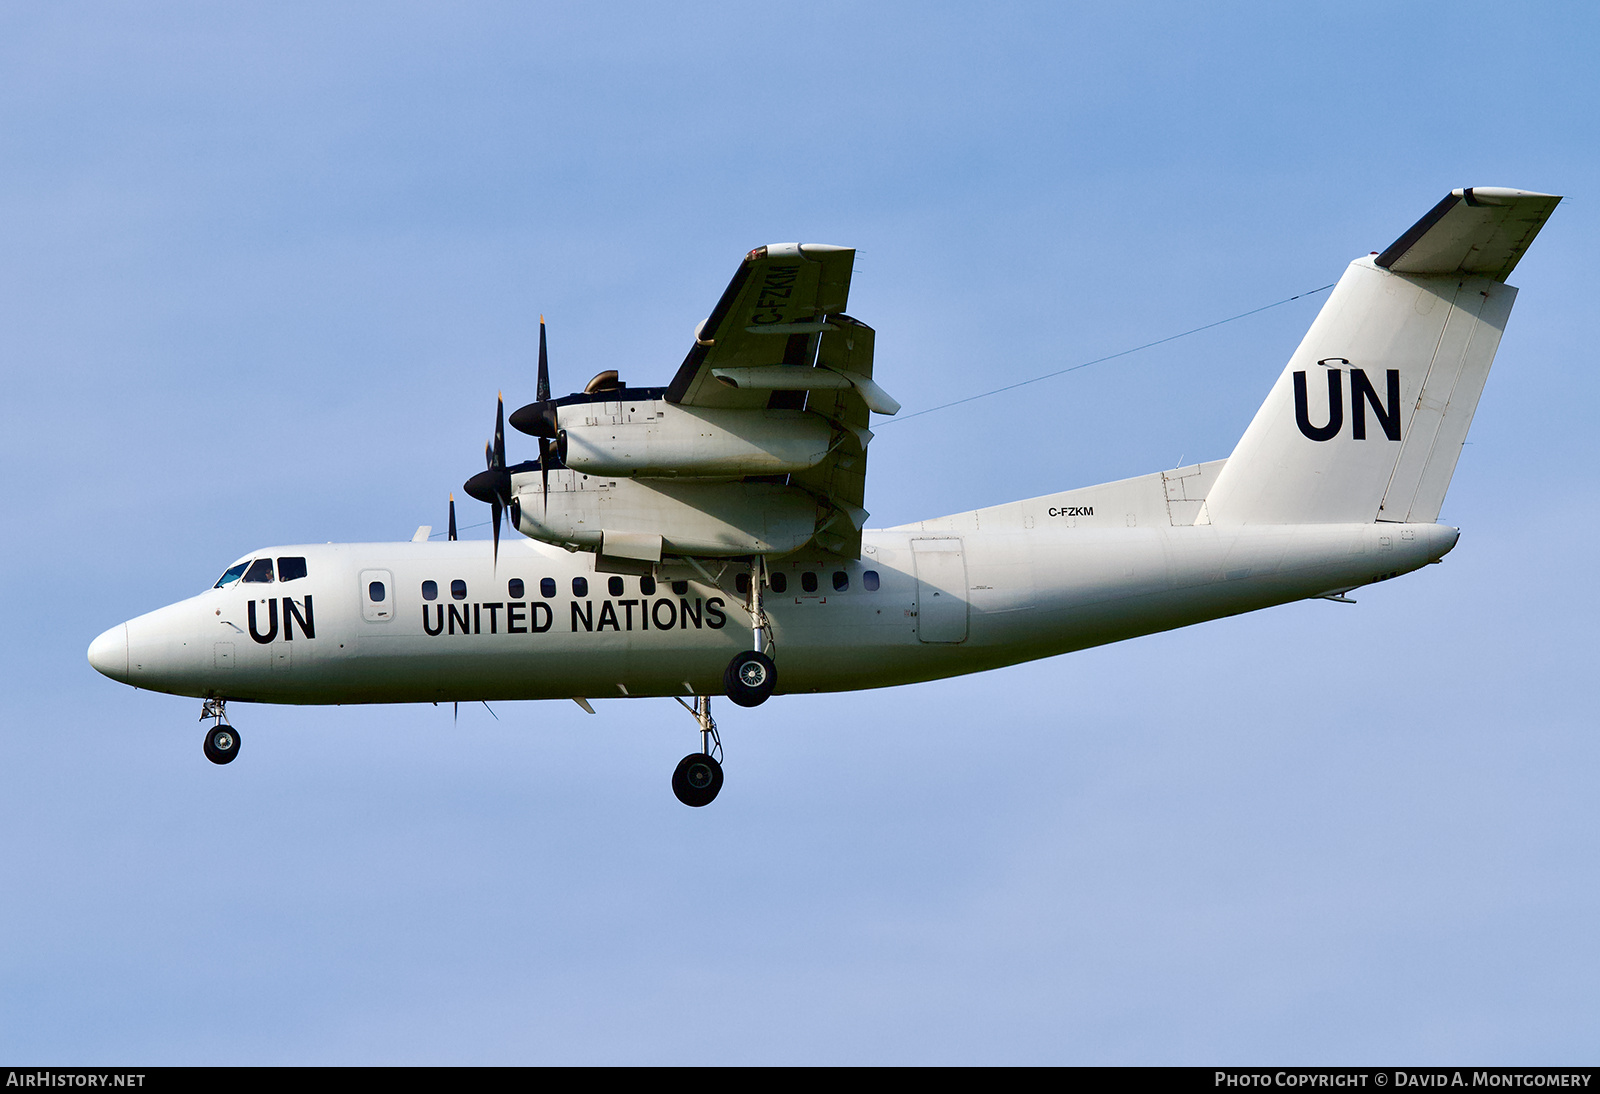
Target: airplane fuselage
<point>942,598</point>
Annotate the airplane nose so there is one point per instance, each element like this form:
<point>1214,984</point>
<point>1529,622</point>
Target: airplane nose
<point>109,653</point>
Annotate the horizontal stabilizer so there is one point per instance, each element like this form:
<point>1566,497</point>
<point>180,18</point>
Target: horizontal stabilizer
<point>1479,230</point>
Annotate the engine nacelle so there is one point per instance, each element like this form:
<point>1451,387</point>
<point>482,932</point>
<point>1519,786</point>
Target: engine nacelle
<point>709,519</point>
<point>652,438</point>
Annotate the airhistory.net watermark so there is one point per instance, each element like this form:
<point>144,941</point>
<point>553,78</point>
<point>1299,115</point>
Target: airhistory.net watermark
<point>48,1078</point>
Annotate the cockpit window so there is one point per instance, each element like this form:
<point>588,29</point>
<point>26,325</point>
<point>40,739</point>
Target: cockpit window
<point>260,571</point>
<point>233,574</point>
<point>291,568</point>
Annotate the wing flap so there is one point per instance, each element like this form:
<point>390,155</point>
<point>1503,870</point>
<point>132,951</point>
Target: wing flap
<point>840,480</point>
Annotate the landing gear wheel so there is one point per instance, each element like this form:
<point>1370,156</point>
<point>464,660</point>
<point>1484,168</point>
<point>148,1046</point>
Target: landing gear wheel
<point>750,678</point>
<point>222,744</point>
<point>697,779</point>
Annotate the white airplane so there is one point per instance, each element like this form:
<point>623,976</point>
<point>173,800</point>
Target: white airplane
<point>707,537</point>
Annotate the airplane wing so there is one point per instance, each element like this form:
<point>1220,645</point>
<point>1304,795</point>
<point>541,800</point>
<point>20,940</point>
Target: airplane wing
<point>779,340</point>
<point>770,319</point>
<point>758,446</point>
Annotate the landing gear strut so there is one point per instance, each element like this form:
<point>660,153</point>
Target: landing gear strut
<point>222,740</point>
<point>751,676</point>
<point>699,775</point>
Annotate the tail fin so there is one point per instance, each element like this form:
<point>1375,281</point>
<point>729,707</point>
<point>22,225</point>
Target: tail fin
<point>1369,416</point>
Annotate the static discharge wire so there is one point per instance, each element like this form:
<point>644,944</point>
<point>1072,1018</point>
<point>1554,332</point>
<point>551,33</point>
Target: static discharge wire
<point>1108,357</point>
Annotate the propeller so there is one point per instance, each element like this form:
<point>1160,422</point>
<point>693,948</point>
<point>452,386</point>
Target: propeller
<point>452,517</point>
<point>538,418</point>
<point>493,485</point>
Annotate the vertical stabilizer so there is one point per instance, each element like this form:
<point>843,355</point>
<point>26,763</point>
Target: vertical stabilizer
<point>1367,420</point>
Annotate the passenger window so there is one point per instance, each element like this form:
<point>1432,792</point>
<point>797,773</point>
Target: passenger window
<point>616,586</point>
<point>260,571</point>
<point>547,587</point>
<point>869,580</point>
<point>841,581</point>
<point>234,573</point>
<point>430,590</point>
<point>742,583</point>
<point>376,592</point>
<point>780,582</point>
<point>580,586</point>
<point>647,586</point>
<point>458,589</point>
<point>515,588</point>
<point>291,569</point>
<point>681,588</point>
<point>808,581</point>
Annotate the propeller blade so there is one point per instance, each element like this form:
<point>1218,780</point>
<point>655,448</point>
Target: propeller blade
<point>542,392</point>
<point>499,433</point>
<point>544,469</point>
<point>538,418</point>
<point>452,517</point>
<point>497,507</point>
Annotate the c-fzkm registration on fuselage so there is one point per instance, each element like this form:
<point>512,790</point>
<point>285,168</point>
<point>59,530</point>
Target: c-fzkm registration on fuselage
<point>708,537</point>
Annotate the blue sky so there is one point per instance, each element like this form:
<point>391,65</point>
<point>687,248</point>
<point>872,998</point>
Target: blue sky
<point>262,273</point>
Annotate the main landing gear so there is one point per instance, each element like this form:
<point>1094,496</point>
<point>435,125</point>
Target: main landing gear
<point>748,680</point>
<point>699,775</point>
<point>751,676</point>
<point>222,740</point>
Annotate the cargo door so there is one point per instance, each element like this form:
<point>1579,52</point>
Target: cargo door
<point>941,590</point>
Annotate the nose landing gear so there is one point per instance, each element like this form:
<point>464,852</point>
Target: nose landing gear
<point>222,740</point>
<point>698,777</point>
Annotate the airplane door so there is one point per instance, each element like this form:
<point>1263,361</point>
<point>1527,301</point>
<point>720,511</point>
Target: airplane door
<point>377,596</point>
<point>941,590</point>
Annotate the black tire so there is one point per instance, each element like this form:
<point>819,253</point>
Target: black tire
<point>750,678</point>
<point>697,779</point>
<point>222,744</point>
